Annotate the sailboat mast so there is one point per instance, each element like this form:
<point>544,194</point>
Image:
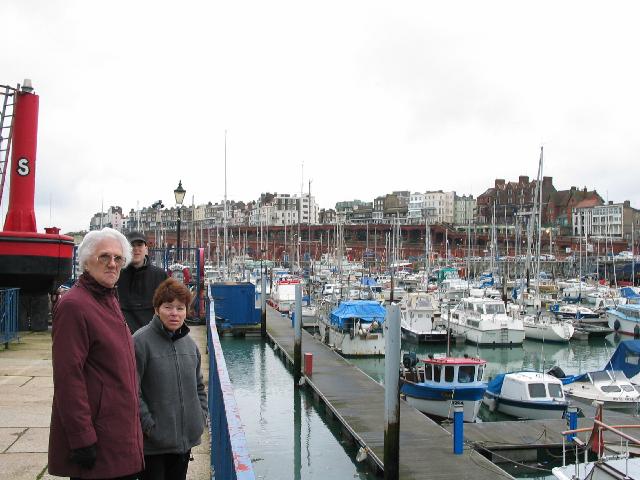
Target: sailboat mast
<point>224,214</point>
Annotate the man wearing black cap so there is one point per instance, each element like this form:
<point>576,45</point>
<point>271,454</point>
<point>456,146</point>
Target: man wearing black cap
<point>137,284</point>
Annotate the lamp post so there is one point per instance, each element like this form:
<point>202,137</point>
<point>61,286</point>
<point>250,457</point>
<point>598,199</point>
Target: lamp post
<point>179,194</point>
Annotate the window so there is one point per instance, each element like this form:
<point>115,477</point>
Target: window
<point>537,390</point>
<point>480,372</point>
<point>555,390</point>
<point>466,373</point>
<point>610,388</point>
<point>428,373</point>
<point>436,373</point>
<point>448,373</point>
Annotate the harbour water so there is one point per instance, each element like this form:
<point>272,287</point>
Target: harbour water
<point>287,435</point>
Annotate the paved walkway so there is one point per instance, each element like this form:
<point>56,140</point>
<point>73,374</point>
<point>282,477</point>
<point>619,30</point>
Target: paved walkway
<point>26,391</point>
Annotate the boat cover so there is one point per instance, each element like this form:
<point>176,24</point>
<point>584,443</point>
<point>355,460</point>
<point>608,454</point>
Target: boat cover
<point>626,358</point>
<point>628,292</point>
<point>366,311</point>
<point>495,385</point>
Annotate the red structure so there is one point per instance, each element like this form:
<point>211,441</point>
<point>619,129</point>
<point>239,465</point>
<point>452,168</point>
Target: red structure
<point>37,263</point>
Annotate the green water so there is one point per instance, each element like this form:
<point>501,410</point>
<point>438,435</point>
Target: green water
<point>290,438</point>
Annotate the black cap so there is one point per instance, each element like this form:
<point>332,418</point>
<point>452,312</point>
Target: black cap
<point>136,237</point>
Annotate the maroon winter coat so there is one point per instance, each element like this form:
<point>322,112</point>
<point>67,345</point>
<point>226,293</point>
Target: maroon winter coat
<point>95,396</point>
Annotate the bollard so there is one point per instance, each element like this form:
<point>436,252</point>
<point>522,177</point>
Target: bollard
<point>458,429</point>
<point>297,337</point>
<point>308,364</point>
<point>391,328</point>
<point>572,417</point>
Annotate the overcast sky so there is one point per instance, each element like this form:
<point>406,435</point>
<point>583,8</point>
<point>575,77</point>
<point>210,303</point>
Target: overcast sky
<point>362,98</point>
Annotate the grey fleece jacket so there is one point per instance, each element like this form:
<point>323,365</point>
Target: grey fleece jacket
<point>173,400</point>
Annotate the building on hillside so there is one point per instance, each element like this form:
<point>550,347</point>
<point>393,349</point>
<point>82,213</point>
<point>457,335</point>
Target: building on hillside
<point>415,213</point>
<point>559,209</point>
<point>464,209</point>
<point>112,218</point>
<point>507,200</point>
<point>283,209</point>
<point>327,216</point>
<point>345,209</point>
<point>439,207</point>
<point>610,221</point>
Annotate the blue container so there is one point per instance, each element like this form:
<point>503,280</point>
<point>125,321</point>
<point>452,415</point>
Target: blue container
<point>235,303</point>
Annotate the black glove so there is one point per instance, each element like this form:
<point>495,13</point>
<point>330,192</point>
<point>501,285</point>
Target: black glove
<point>85,456</point>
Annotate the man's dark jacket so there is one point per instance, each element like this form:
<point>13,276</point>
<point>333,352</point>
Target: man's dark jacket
<point>136,287</point>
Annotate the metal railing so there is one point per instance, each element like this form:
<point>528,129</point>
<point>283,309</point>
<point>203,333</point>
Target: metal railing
<point>229,453</point>
<point>8,315</point>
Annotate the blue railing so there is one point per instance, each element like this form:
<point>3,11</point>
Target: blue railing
<point>229,453</point>
<point>8,315</point>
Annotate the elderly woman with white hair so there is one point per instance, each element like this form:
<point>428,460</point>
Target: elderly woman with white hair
<point>95,426</point>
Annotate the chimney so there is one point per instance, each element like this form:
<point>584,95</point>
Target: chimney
<point>523,179</point>
<point>499,183</point>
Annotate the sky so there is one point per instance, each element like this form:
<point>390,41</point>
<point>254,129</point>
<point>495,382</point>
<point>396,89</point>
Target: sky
<point>360,98</point>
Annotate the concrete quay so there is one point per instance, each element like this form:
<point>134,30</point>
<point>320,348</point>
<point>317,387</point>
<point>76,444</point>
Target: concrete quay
<point>26,392</point>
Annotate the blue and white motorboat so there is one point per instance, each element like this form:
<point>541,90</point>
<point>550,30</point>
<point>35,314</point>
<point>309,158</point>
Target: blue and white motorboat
<point>434,384</point>
<point>625,319</point>
<point>526,394</point>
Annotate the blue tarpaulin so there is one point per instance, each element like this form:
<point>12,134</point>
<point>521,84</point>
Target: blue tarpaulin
<point>626,358</point>
<point>366,311</point>
<point>628,292</point>
<point>368,281</point>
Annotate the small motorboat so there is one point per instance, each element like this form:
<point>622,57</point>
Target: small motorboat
<point>432,385</point>
<point>527,395</point>
<point>612,387</point>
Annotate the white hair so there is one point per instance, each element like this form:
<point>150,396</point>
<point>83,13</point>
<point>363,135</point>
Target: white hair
<point>87,248</point>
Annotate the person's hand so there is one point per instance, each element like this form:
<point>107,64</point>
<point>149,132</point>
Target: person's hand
<point>85,456</point>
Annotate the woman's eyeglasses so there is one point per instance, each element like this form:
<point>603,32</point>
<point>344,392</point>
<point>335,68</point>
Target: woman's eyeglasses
<point>105,259</point>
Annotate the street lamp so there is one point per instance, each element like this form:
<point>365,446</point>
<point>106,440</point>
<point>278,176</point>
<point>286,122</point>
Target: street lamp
<point>179,194</point>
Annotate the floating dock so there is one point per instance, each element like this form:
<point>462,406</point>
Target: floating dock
<point>357,402</point>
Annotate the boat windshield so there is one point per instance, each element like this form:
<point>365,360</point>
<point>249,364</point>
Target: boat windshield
<point>610,388</point>
<point>555,390</point>
<point>494,308</point>
<point>600,376</point>
<point>537,390</point>
<point>466,373</point>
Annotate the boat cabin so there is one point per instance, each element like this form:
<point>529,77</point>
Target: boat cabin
<point>483,306</point>
<point>532,386</point>
<point>451,370</point>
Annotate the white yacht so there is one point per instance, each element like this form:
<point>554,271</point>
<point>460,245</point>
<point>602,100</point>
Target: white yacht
<point>421,320</point>
<point>484,321</point>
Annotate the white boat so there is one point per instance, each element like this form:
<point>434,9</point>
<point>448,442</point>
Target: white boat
<point>434,385</point>
<point>421,320</point>
<point>547,328</point>
<point>573,311</point>
<point>354,328</point>
<point>612,387</point>
<point>527,395</point>
<point>625,319</point>
<point>484,321</point>
<point>283,294</point>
